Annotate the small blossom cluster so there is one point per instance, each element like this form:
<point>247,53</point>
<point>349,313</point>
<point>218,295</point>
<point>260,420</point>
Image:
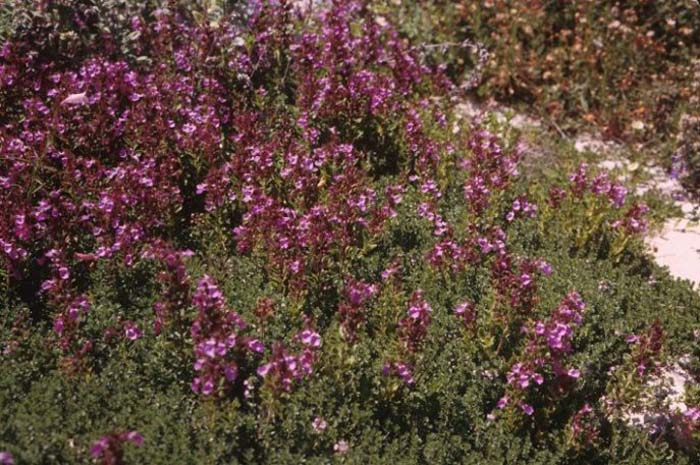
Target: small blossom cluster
<point>109,449</point>
<point>687,428</point>
<point>412,330</point>
<point>351,310</point>
<point>493,242</point>
<point>599,185</point>
<point>399,369</point>
<point>516,280</point>
<point>450,253</point>
<point>414,327</point>
<point>584,429</point>
<point>609,200</point>
<point>285,367</point>
<point>440,226</point>
<point>490,170</point>
<point>466,312</point>
<point>521,206</point>
<point>647,348</point>
<point>634,221</point>
<point>615,192</point>
<point>175,282</point>
<point>219,346</point>
<point>548,345</point>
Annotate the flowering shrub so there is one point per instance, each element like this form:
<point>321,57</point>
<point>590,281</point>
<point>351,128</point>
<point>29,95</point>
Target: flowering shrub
<point>627,68</point>
<point>108,449</point>
<point>262,236</point>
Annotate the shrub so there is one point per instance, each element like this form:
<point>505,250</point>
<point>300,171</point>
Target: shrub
<point>624,66</point>
<point>264,237</point>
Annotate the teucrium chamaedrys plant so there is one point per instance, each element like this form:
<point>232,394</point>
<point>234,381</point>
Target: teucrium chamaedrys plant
<point>218,232</point>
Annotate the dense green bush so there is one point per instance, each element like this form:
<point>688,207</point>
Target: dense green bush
<point>408,295</point>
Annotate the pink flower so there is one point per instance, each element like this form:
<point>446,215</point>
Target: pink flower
<point>462,308</point>
<point>58,325</point>
<point>319,424</point>
<point>310,338</point>
<point>6,458</point>
<point>131,331</point>
<point>208,387</point>
<point>341,447</point>
<point>231,372</point>
<point>502,402</point>
<point>545,268</point>
<point>75,99</point>
<point>527,408</point>
<point>135,437</point>
<point>692,414</point>
<point>404,372</point>
<point>99,446</point>
<point>263,370</point>
<point>256,346</point>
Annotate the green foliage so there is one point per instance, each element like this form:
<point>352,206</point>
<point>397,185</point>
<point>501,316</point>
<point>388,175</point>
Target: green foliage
<point>54,417</point>
<point>53,412</point>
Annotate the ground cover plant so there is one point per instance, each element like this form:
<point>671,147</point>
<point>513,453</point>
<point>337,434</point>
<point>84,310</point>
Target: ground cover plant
<point>260,234</point>
<point>626,68</point>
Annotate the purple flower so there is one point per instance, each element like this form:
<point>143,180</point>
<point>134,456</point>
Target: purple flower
<point>390,270</point>
<point>502,402</point>
<point>545,268</point>
<point>6,458</point>
<point>404,372</point>
<point>256,346</point>
<point>540,328</point>
<point>63,273</point>
<point>527,408</point>
<point>99,446</point>
<point>617,195</point>
<point>462,308</point>
<point>692,414</point>
<point>131,331</point>
<point>135,437</point>
<point>58,325</point>
<point>75,99</point>
<point>208,387</point>
<point>319,424</point>
<point>263,370</point>
<point>525,279</point>
<point>310,338</point>
<point>230,373</point>
<point>196,385</point>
